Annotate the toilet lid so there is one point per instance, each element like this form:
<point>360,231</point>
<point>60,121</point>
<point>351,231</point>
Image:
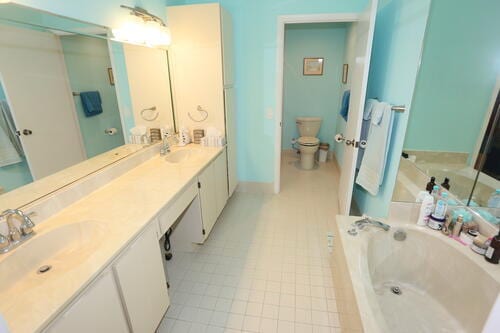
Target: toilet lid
<point>308,141</point>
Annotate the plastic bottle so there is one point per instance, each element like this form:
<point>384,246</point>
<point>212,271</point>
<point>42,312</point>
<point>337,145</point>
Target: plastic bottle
<point>425,209</point>
<point>494,200</point>
<point>458,225</point>
<point>430,184</point>
<point>435,192</point>
<point>441,206</point>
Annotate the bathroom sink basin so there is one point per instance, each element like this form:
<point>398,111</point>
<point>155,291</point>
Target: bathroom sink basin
<point>184,155</point>
<point>48,255</point>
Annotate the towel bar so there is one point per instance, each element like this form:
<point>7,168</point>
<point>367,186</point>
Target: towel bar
<point>76,94</point>
<point>398,108</point>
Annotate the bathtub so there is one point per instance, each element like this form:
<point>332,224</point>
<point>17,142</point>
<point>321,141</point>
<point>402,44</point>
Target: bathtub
<point>426,283</point>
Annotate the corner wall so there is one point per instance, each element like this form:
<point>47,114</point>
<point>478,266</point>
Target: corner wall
<point>397,44</point>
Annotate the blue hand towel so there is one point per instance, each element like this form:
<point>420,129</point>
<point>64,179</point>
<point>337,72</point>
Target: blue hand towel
<point>344,109</point>
<point>91,102</point>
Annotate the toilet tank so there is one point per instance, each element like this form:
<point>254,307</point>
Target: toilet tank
<point>308,126</point>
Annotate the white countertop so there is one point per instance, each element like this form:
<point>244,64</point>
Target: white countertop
<point>123,207</point>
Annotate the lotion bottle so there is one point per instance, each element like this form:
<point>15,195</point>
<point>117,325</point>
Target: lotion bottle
<point>425,209</point>
<point>458,226</point>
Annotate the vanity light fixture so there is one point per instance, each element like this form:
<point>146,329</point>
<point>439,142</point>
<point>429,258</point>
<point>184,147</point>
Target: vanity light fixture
<point>143,28</point>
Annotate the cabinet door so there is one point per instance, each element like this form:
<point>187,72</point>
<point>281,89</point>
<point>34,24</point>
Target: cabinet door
<point>208,198</point>
<point>142,282</point>
<point>229,109</point>
<point>220,166</point>
<point>98,309</point>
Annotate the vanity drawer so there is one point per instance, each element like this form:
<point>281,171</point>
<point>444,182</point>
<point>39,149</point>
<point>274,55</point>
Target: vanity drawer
<point>172,211</point>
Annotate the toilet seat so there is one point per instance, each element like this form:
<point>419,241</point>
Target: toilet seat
<point>308,141</point>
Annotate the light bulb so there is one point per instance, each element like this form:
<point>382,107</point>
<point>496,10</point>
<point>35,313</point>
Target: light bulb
<point>131,31</point>
<point>164,37</point>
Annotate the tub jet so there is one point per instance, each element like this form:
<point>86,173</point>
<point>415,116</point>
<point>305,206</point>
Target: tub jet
<point>396,290</point>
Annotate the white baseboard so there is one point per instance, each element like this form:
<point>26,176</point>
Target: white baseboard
<point>255,187</point>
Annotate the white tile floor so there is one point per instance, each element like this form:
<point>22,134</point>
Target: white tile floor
<point>265,267</point>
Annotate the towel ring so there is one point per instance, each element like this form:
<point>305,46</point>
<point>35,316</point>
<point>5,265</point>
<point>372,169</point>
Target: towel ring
<point>155,114</point>
<point>203,112</point>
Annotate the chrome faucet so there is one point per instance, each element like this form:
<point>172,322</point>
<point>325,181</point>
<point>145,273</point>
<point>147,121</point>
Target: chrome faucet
<point>361,224</point>
<point>166,143</point>
<point>15,235</point>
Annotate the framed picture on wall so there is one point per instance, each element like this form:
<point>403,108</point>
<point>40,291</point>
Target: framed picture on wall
<point>313,66</point>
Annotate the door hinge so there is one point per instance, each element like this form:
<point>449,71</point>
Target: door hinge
<point>199,185</point>
<point>203,231</point>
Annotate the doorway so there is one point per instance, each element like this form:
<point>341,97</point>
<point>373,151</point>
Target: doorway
<point>314,55</point>
<point>360,41</point>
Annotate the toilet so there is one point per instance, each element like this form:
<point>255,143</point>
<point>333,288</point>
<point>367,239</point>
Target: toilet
<point>308,142</point>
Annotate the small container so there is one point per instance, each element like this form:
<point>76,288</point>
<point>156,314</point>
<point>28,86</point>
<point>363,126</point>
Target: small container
<point>435,223</point>
<point>430,184</point>
<point>198,133</point>
<point>479,245</point>
<point>446,183</point>
<point>468,237</point>
<point>457,228</point>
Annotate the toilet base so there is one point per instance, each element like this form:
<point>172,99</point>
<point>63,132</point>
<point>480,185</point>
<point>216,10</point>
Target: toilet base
<point>307,161</point>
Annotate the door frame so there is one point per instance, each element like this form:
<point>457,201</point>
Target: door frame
<point>280,55</point>
<point>486,120</point>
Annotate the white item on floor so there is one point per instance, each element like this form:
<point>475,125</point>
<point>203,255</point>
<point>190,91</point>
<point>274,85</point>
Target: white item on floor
<point>323,155</point>
<point>371,172</point>
<point>308,143</point>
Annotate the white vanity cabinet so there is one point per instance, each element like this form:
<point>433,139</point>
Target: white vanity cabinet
<point>97,309</point>
<point>142,283</point>
<point>213,192</point>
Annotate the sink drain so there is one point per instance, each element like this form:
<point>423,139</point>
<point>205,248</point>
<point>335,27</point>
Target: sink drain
<point>44,269</point>
<point>396,290</point>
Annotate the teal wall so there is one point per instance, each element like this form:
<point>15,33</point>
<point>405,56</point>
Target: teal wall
<point>106,13</point>
<point>312,96</point>
<point>15,175</point>
<point>460,64</point>
<point>397,44</point>
<point>255,73</point>
<point>87,62</point>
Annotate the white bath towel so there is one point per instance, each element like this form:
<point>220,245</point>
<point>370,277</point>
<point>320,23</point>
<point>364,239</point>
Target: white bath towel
<point>372,169</point>
<point>8,152</point>
<point>365,127</point>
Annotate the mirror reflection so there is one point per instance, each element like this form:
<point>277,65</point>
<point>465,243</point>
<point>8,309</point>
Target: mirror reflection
<point>453,105</point>
<point>61,117</point>
<point>58,100</point>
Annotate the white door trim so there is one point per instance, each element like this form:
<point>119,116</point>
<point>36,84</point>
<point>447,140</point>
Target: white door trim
<point>280,50</point>
<point>486,120</point>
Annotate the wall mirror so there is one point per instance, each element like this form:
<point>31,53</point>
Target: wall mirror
<point>68,99</point>
<point>454,103</point>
